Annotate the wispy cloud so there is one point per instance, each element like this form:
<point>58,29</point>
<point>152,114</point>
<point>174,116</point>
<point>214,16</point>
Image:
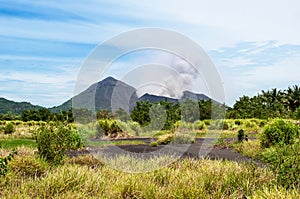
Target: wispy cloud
<point>35,11</point>
<point>250,67</point>
<point>43,43</point>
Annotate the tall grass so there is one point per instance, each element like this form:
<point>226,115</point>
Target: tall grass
<point>186,178</point>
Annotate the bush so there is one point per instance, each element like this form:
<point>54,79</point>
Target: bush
<point>165,139</point>
<point>109,127</point>
<point>4,163</point>
<point>53,141</point>
<point>238,122</point>
<point>285,162</point>
<point>262,123</point>
<point>279,132</point>
<point>199,125</point>
<point>181,138</point>
<point>9,128</point>
<point>216,124</point>
<point>241,135</point>
<point>135,127</point>
<point>154,144</point>
<point>207,122</point>
<point>226,125</point>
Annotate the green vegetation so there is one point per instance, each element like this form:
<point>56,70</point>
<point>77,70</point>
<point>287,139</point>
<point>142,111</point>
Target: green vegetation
<point>14,143</point>
<point>279,147</point>
<point>241,135</point>
<point>114,142</point>
<point>279,132</point>
<point>87,177</point>
<point>9,128</point>
<point>268,104</point>
<point>282,142</point>
<point>251,148</point>
<point>10,108</point>
<point>54,141</point>
<point>4,163</point>
<point>42,170</point>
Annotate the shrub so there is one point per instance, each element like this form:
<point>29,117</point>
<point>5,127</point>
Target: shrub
<point>207,122</point>
<point>165,139</point>
<point>154,144</point>
<point>241,135</point>
<point>285,162</point>
<point>53,142</point>
<point>110,127</point>
<point>279,132</point>
<point>226,125</point>
<point>135,127</point>
<point>181,138</point>
<point>238,122</point>
<point>85,133</point>
<point>199,125</point>
<point>262,123</point>
<point>9,128</point>
<point>4,163</point>
<point>214,124</point>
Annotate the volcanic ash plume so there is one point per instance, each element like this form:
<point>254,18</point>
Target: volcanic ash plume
<point>181,80</point>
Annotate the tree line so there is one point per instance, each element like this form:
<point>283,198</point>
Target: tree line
<point>268,104</point>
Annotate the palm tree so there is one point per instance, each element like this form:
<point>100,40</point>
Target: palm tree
<point>293,97</point>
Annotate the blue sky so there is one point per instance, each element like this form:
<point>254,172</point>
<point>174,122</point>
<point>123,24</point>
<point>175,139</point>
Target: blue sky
<point>254,44</point>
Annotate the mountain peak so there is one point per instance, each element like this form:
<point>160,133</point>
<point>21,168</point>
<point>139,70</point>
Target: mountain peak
<point>109,80</point>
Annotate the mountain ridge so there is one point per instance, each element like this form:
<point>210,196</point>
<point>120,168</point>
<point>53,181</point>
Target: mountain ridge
<point>13,107</point>
<point>100,95</point>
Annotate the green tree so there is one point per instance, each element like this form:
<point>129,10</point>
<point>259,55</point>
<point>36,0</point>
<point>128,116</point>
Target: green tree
<point>140,113</point>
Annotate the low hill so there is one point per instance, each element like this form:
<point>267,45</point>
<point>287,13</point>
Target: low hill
<point>16,108</point>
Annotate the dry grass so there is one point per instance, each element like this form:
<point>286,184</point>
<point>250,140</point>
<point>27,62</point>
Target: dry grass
<point>251,148</point>
<point>87,177</point>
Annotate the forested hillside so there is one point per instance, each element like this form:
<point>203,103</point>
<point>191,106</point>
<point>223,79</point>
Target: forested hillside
<point>16,108</point>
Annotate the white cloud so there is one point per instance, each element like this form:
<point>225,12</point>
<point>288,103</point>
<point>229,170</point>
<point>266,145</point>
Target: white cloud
<point>213,24</point>
<point>252,80</point>
<point>283,72</point>
<point>39,78</point>
<point>236,62</point>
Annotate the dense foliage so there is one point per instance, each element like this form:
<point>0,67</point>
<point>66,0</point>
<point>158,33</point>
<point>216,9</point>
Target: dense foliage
<point>282,141</point>
<point>268,104</point>
<point>15,108</point>
<point>54,140</point>
<point>4,163</point>
<point>46,115</point>
<point>279,132</point>
<point>188,111</point>
<point>9,128</point>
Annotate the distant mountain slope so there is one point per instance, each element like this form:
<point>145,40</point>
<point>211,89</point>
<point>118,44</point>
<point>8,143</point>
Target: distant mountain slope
<point>194,96</point>
<point>103,94</point>
<point>154,98</point>
<point>15,107</point>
